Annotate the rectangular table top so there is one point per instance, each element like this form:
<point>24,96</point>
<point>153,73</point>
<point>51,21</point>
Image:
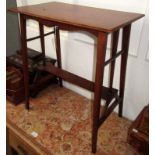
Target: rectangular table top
<point>81,16</point>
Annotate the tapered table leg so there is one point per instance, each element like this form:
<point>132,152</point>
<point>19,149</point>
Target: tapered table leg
<point>24,57</point>
<point>101,51</point>
<point>42,41</point>
<point>115,37</point>
<point>124,57</point>
<point>58,50</point>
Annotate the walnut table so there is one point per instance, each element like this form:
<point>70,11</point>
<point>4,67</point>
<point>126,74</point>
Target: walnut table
<point>100,23</point>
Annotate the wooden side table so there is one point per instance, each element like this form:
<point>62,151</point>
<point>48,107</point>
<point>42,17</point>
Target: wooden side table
<point>100,23</point>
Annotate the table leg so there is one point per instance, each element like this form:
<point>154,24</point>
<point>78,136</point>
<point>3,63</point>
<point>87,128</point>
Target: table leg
<point>101,52</point>
<point>24,57</point>
<point>13,151</point>
<point>124,57</point>
<point>58,50</point>
<point>115,37</point>
<point>42,41</point>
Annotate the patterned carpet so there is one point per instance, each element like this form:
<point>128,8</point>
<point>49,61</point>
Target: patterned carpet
<point>62,119</point>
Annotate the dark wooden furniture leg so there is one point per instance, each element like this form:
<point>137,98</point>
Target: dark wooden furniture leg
<point>58,50</point>
<point>13,151</point>
<point>124,57</point>
<point>24,57</point>
<point>42,41</point>
<point>101,51</point>
<point>115,37</point>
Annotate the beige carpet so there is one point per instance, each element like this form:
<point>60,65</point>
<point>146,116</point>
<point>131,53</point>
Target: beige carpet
<point>62,120</point>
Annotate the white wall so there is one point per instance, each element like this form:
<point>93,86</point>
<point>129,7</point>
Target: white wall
<point>78,53</point>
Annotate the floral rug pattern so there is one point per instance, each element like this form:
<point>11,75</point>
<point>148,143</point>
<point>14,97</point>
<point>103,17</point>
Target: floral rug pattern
<point>62,120</point>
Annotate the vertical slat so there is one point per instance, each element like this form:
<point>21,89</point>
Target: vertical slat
<point>25,59</point>
<point>42,41</point>
<point>101,52</point>
<point>124,57</point>
<point>114,45</point>
<point>58,50</point>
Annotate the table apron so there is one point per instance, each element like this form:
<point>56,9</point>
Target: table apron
<point>63,26</point>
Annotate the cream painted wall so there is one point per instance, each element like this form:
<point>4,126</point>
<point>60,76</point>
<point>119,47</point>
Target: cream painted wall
<point>78,52</point>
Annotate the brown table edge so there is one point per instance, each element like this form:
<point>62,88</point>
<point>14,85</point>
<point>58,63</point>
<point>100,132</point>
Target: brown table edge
<point>15,10</point>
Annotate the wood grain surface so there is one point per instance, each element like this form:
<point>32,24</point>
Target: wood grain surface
<point>81,16</point>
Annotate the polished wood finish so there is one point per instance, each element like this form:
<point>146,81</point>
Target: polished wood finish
<point>108,112</point>
<point>114,42</point>
<point>58,50</point>
<point>101,52</point>
<point>99,22</point>
<point>42,41</point>
<point>107,94</point>
<point>113,58</point>
<point>67,76</point>
<point>37,37</point>
<point>25,60</point>
<point>124,57</point>
<point>81,16</point>
<point>62,26</point>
